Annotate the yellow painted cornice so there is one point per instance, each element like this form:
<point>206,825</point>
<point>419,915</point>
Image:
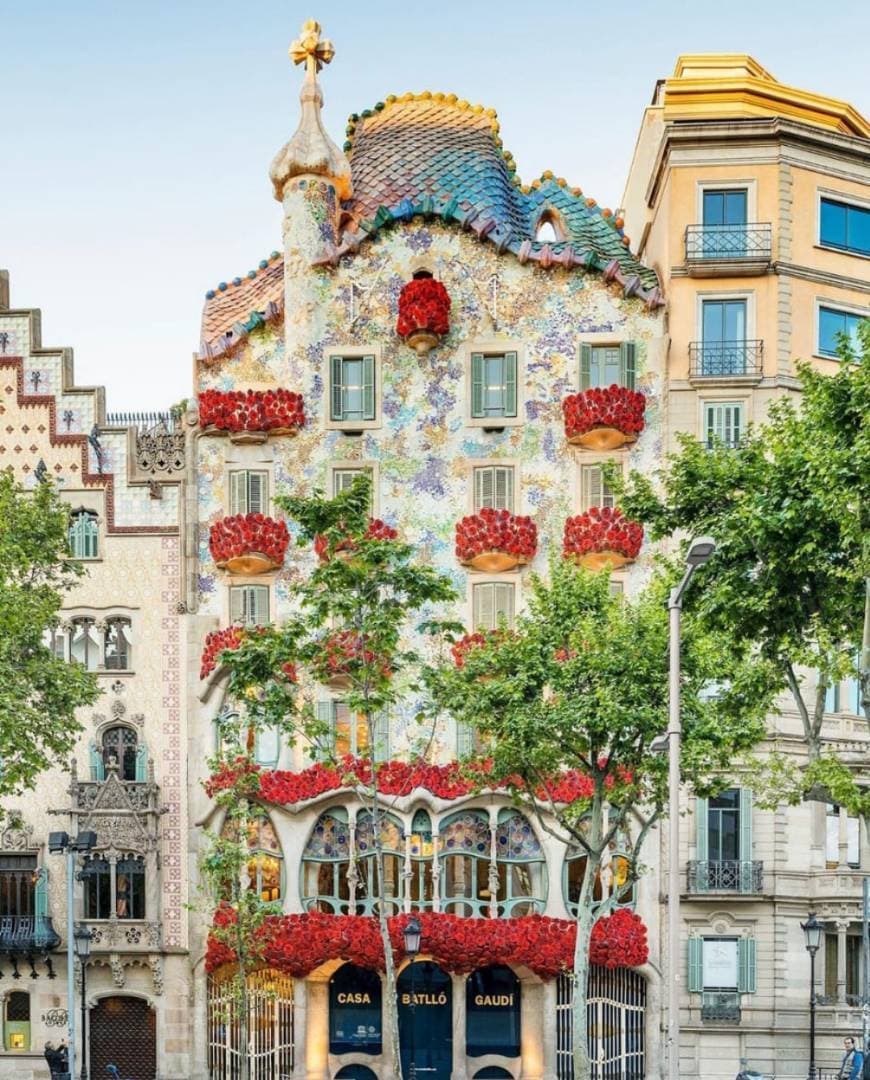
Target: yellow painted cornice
<point>725,86</point>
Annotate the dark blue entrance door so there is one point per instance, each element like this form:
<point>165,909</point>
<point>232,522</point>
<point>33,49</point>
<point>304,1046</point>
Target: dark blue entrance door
<point>426,1021</point>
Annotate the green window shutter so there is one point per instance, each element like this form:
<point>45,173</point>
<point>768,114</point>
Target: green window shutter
<point>238,493</point>
<point>256,493</point>
<point>477,384</point>
<point>695,980</point>
<point>40,893</point>
<point>585,367</point>
<point>702,813</point>
<point>141,763</point>
<point>745,840</point>
<point>464,739</point>
<point>368,388</point>
<point>746,965</point>
<point>337,388</point>
<point>510,384</point>
<point>98,769</point>
<point>628,364</point>
<point>381,749</point>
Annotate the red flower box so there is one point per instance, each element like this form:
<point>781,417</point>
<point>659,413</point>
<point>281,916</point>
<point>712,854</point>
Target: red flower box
<point>279,412</point>
<point>248,543</point>
<point>424,313</point>
<point>217,642</point>
<point>496,540</point>
<point>604,417</point>
<point>602,539</point>
<point>299,944</point>
<point>343,655</point>
<point>377,530</point>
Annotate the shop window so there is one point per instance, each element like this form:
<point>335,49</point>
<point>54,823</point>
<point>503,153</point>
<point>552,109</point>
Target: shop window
<point>325,864</point>
<point>465,864</point>
<point>352,389</point>
<point>86,643</point>
<point>16,1022</point>
<point>494,488</point>
<point>119,642</point>
<point>608,365</point>
<point>249,492</point>
<point>84,535</point>
<point>492,1012</point>
<point>493,385</point>
<point>355,1016</point>
<point>521,867</point>
<point>368,889</point>
<point>422,882</point>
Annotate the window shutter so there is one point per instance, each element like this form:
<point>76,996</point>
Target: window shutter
<point>695,982</point>
<point>337,388</point>
<point>585,367</point>
<point>745,823</point>
<point>510,384</point>
<point>484,488</point>
<point>368,388</point>
<point>256,493</point>
<point>98,769</point>
<point>701,842</point>
<point>592,485</point>
<point>464,739</point>
<point>268,747</point>
<point>326,716</point>
<point>257,605</point>
<point>477,384</point>
<point>746,965</point>
<point>238,494</point>
<point>482,608</point>
<point>504,603</point>
<point>381,751</point>
<point>627,363</point>
<point>504,488</point>
<point>40,899</point>
<point>237,604</point>
<point>141,763</point>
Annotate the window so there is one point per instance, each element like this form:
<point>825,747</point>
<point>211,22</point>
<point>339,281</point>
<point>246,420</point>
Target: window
<point>845,227</point>
<point>267,746</point>
<point>492,602</point>
<point>325,863</point>
<point>723,844</point>
<point>86,644</point>
<point>853,967</point>
<point>593,490</point>
<point>97,877</point>
<point>118,651</point>
<point>249,605</point>
<point>55,640</point>
<point>249,492</point>
<point>265,862</point>
<point>608,365</point>
<point>724,214</point>
<point>721,964</point>
<point>83,534</point>
<point>368,886</point>
<point>723,826</point>
<point>422,882</point>
<point>833,323</point>
<point>344,476</point>
<point>723,423</point>
<point>130,889</point>
<point>352,393</point>
<point>465,861</point>
<point>18,878</point>
<point>493,385</point>
<point>832,698</point>
<point>832,838</point>
<point>16,1021</point>
<point>521,866</point>
<point>493,487</point>
<point>348,732</point>
<point>121,745</point>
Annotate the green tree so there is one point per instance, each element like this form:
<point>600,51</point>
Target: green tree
<point>789,508</point>
<point>581,683</point>
<point>353,612</point>
<point>39,693</point>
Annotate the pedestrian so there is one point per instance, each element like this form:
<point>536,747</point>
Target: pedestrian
<point>852,1065</point>
<point>56,1061</point>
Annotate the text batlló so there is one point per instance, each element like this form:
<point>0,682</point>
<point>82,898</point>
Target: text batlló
<point>494,999</point>
<point>424,999</point>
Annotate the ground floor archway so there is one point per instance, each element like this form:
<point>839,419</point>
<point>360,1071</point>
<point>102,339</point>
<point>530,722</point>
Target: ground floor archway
<point>425,994</point>
<point>123,1032</point>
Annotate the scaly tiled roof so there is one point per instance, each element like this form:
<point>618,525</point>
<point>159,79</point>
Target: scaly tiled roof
<point>433,156</point>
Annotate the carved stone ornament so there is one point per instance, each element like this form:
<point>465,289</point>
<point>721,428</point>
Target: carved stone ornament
<point>16,836</point>
<point>117,969</point>
<point>159,450</point>
<point>155,962</point>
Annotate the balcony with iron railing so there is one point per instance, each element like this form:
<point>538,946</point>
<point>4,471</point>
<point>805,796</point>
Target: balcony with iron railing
<point>744,876</point>
<point>728,250</point>
<point>721,1006</point>
<point>25,929</point>
<point>726,360</point>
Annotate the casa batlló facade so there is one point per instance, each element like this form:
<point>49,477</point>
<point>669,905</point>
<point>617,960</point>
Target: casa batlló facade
<point>456,335</point>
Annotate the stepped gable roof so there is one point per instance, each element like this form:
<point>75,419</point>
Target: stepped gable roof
<point>433,156</point>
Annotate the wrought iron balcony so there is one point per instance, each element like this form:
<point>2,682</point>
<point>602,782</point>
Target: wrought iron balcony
<point>725,359</point>
<point>716,250</point>
<point>730,875</point>
<point>24,935</point>
<point>721,1005</point>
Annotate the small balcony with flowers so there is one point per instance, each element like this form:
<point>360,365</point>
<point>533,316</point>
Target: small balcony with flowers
<point>424,313</point>
<point>248,544</point>
<point>604,417</point>
<point>251,416</point>
<point>602,538</point>
<point>495,541</point>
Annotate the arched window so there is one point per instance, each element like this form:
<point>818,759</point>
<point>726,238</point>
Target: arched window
<point>119,640</point>
<point>84,533</point>
<point>265,862</point>
<point>615,876</point>
<point>522,888</point>
<point>130,889</point>
<point>86,644</point>
<point>465,861</point>
<point>368,887</point>
<point>121,744</point>
<point>422,883</point>
<point>16,1021</point>
<point>325,863</point>
<point>575,869</point>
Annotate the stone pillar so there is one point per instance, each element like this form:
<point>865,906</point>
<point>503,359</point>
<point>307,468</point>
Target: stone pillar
<point>460,1071</point>
<point>316,1046</point>
<point>533,1002</point>
<point>842,927</point>
<point>843,841</point>
<point>300,1029</point>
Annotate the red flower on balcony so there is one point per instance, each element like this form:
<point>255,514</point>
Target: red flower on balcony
<point>602,539</point>
<point>424,313</point>
<point>377,530</point>
<point>216,643</point>
<point>495,540</point>
<point>278,411</point>
<point>343,655</point>
<point>248,543</point>
<point>604,417</point>
<point>460,649</point>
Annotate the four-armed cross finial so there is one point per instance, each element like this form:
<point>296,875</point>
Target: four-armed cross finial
<point>310,50</point>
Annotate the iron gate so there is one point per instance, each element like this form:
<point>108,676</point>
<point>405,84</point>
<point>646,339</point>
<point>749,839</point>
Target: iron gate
<point>270,1026</point>
<point>123,1032</point>
<point>615,1016</point>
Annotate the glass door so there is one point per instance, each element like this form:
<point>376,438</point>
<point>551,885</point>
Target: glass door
<point>723,329</point>
<point>724,215</point>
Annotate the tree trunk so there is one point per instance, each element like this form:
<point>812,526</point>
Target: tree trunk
<point>244,1067</point>
<point>585,922</point>
<point>391,1009</point>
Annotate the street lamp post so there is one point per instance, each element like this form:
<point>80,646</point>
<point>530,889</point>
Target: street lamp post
<point>413,934</point>
<point>700,550</point>
<point>812,929</point>
<point>83,938</point>
<point>60,843</point>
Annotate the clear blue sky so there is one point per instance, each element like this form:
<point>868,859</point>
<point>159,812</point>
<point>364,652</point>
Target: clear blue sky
<point>137,136</point>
